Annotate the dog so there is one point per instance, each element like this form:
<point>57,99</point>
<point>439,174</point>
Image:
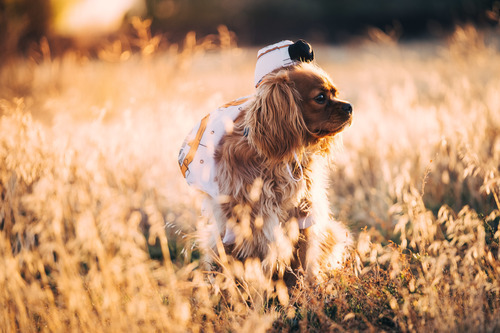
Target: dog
<point>271,171</point>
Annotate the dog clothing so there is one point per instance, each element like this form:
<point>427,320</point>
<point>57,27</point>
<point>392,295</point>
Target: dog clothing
<point>282,54</point>
<point>196,156</point>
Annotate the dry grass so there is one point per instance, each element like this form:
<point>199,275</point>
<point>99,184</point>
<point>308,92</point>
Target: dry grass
<point>94,212</point>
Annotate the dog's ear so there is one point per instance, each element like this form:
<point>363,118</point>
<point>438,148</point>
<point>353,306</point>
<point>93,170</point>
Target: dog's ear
<point>274,123</point>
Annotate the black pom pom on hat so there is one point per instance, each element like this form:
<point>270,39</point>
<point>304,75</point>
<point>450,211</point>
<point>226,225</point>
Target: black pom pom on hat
<point>301,51</point>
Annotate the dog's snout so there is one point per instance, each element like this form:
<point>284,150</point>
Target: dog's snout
<point>347,108</point>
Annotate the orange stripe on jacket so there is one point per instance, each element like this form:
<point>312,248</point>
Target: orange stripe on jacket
<point>236,102</point>
<point>194,144</point>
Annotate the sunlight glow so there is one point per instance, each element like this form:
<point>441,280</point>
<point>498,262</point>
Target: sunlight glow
<point>94,16</point>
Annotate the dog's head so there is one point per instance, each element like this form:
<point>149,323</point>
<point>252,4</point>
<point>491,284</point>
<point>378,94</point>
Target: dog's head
<point>294,108</point>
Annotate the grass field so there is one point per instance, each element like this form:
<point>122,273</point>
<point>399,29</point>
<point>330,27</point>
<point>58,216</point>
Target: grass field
<point>96,219</point>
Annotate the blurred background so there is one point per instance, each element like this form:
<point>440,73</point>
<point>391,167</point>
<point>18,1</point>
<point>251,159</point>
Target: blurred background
<point>86,23</point>
<point>97,223</point>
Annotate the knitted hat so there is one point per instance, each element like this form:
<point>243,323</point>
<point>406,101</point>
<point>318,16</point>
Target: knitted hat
<point>283,54</point>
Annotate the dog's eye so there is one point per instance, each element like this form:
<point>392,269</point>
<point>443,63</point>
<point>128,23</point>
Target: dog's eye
<point>320,99</point>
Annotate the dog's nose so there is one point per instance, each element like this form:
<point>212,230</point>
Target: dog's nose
<point>347,108</point>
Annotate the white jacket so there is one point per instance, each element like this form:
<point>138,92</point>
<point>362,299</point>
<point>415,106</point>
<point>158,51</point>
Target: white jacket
<point>196,157</point>
<point>197,160</point>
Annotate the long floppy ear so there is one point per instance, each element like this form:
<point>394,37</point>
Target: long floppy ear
<point>274,123</point>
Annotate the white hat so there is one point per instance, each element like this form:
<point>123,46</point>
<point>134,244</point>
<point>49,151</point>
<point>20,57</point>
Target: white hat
<point>280,55</point>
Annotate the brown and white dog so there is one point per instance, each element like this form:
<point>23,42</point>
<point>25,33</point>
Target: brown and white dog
<point>271,171</point>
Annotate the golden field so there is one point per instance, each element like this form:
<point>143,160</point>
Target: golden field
<point>96,221</point>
